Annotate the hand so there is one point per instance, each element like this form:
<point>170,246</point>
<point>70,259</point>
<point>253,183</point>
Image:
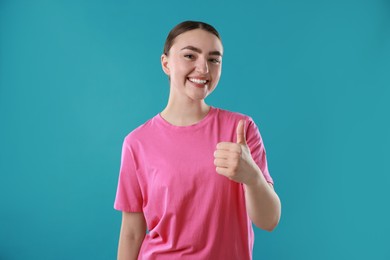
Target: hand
<point>234,160</point>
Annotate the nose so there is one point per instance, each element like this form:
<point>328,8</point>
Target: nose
<point>202,66</point>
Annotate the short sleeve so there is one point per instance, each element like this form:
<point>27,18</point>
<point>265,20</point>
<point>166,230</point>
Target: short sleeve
<point>128,196</point>
<point>256,146</point>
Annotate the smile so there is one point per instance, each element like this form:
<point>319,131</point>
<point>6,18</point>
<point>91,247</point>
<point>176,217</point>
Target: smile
<point>198,81</point>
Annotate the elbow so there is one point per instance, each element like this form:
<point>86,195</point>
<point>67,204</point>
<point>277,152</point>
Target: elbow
<point>267,218</point>
<point>271,227</point>
<point>268,223</point>
<point>267,226</point>
<point>274,220</point>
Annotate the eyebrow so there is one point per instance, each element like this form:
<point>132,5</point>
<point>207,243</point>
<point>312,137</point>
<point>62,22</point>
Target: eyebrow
<point>192,48</point>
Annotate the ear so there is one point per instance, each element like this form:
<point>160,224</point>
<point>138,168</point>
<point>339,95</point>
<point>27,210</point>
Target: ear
<point>164,64</point>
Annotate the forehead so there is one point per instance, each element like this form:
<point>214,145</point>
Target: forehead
<point>198,38</point>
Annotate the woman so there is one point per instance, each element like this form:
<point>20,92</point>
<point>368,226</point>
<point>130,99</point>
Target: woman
<point>194,175</point>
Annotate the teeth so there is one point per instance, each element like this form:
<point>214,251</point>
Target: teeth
<point>199,81</point>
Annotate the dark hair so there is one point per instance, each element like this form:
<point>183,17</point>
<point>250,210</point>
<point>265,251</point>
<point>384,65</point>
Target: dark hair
<point>184,27</point>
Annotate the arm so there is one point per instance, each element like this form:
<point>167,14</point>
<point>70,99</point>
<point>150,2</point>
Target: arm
<point>133,230</point>
<point>262,203</point>
<point>234,160</point>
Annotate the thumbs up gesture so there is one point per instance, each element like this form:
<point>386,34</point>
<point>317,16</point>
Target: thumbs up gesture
<point>235,161</point>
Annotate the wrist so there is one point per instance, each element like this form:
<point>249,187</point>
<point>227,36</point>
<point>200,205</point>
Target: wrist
<point>256,180</point>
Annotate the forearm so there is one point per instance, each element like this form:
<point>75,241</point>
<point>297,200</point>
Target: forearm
<point>132,234</point>
<point>129,247</point>
<point>262,203</point>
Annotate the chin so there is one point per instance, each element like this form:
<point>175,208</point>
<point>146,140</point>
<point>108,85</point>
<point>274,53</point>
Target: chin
<point>198,96</point>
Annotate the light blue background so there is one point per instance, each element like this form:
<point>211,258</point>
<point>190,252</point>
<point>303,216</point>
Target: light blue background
<point>77,76</point>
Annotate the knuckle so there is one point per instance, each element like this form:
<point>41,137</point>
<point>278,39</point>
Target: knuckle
<point>235,167</point>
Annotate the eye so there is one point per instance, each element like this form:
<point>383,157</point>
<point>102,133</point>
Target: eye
<point>215,61</point>
<point>189,56</point>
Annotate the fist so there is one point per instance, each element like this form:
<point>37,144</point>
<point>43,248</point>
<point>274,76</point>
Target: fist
<point>234,160</point>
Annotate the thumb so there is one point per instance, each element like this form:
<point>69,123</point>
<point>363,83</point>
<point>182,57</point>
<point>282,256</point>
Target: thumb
<point>241,138</point>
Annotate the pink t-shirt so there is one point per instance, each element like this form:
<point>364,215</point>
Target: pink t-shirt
<point>168,173</point>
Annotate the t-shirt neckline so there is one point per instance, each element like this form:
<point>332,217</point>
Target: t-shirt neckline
<point>196,125</point>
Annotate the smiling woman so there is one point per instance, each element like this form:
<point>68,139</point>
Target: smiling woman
<point>194,67</point>
<point>194,175</point>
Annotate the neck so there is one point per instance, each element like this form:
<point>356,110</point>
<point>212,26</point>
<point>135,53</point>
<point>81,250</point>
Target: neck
<point>184,113</point>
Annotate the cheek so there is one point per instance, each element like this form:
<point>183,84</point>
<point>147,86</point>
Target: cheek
<point>216,73</point>
<point>181,68</point>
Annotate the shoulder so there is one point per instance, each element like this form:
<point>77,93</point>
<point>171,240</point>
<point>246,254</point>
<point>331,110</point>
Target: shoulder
<point>228,118</point>
<point>140,133</point>
<point>228,115</point>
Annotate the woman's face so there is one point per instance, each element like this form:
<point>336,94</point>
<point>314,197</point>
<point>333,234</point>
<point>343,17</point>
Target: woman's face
<point>194,64</point>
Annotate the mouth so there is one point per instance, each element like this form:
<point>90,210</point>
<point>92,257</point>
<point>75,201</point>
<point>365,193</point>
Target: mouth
<point>200,83</point>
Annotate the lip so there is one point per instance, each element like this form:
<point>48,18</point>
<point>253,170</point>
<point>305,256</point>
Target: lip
<point>197,84</point>
<point>198,77</point>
